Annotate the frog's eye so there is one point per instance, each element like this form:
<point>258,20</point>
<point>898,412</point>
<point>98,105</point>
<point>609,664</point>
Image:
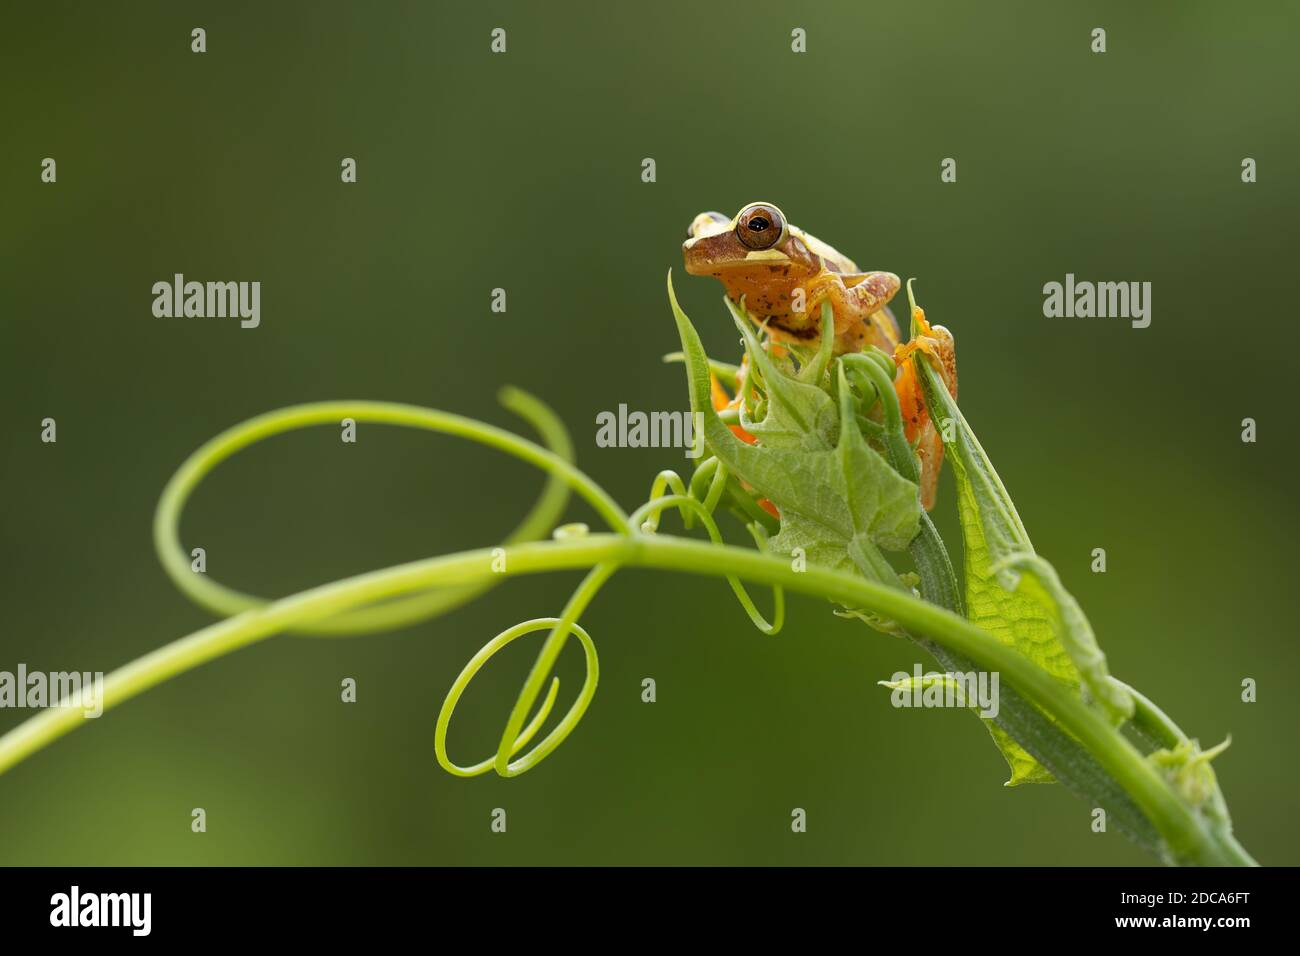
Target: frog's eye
<point>760,226</point>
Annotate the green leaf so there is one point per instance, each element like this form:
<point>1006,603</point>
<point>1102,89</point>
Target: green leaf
<point>1024,768</point>
<point>800,414</point>
<point>840,501</point>
<point>1039,618</point>
<point>1071,625</point>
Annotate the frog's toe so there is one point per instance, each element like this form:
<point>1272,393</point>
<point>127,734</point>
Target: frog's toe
<point>926,344</point>
<point>918,317</point>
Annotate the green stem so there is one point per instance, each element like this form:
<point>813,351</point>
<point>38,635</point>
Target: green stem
<point>1188,838</point>
<point>1153,722</point>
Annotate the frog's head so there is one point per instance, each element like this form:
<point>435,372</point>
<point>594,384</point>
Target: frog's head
<point>757,235</point>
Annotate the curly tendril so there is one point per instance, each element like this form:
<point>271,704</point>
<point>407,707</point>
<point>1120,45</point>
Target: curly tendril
<point>478,660</point>
<point>716,474</point>
<point>698,501</point>
<point>228,602</point>
<point>518,733</point>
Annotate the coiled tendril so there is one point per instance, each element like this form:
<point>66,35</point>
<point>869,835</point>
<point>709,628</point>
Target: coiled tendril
<point>698,501</point>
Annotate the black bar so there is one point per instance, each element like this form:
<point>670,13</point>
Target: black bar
<point>875,904</point>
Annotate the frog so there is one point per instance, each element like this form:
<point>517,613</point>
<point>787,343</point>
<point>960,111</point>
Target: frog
<point>781,275</point>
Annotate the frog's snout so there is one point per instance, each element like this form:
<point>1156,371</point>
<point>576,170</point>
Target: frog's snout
<point>707,223</point>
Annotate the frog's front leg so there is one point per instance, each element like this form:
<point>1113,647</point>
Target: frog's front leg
<point>859,301</point>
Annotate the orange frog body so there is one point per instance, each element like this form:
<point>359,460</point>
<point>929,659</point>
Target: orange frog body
<point>783,275</point>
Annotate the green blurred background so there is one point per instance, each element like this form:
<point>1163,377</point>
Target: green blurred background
<point>523,171</point>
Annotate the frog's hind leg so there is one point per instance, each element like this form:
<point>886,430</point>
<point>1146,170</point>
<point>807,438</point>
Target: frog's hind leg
<point>920,432</point>
<point>929,454</point>
<point>884,330</point>
<point>935,343</point>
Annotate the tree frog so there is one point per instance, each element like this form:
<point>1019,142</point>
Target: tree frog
<point>783,274</point>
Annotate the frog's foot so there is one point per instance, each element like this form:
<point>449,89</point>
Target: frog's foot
<point>923,341</point>
<point>821,288</point>
<point>936,344</point>
<point>926,344</point>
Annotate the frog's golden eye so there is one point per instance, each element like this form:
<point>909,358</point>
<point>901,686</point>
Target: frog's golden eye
<point>760,226</point>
